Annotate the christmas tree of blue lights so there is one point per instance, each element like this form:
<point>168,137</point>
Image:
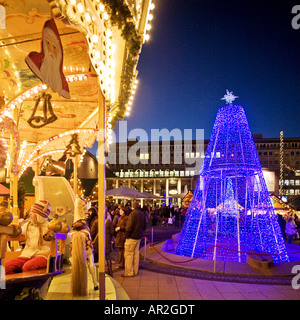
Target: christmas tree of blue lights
<point>231,211</point>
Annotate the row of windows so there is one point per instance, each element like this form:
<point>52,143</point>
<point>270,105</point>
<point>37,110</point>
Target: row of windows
<point>277,145</point>
<point>197,154</point>
<point>270,153</point>
<point>291,182</point>
<point>292,192</point>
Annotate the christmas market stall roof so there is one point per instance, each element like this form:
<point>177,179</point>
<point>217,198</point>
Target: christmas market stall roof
<point>295,204</point>
<point>129,193</point>
<point>101,42</point>
<point>281,206</point>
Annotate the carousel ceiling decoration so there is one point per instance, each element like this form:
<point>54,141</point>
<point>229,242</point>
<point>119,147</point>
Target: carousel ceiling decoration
<point>101,42</point>
<point>39,121</point>
<point>47,65</point>
<point>104,23</point>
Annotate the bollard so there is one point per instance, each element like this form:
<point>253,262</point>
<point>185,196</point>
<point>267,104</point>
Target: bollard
<point>145,248</point>
<point>152,236</point>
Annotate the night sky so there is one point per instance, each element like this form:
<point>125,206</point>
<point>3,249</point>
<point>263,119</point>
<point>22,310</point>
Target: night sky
<point>200,48</point>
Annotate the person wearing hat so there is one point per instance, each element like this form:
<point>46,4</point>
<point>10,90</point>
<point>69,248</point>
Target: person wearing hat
<point>36,250</point>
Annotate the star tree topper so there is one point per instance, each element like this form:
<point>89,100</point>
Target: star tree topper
<point>229,97</point>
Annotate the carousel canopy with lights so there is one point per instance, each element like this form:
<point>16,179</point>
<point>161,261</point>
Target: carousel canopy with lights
<point>97,52</point>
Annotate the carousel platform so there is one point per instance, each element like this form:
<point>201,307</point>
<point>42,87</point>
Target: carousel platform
<point>60,288</point>
<point>160,258</point>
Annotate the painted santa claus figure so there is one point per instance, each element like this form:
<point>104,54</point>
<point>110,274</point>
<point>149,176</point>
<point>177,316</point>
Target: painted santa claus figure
<point>48,64</point>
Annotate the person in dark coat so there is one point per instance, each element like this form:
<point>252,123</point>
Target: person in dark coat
<point>109,231</point>
<point>136,226</point>
<point>93,214</point>
<point>120,236</point>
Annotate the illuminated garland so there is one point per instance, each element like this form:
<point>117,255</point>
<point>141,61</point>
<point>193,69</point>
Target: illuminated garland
<point>121,17</point>
<point>33,156</point>
<point>35,90</point>
<point>281,165</point>
<point>231,206</point>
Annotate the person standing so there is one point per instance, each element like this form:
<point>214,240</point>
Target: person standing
<point>291,229</point>
<point>136,225</point>
<point>120,237</point>
<point>109,231</point>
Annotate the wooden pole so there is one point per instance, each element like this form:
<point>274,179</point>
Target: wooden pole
<point>101,194</point>
<point>14,177</point>
<point>75,184</point>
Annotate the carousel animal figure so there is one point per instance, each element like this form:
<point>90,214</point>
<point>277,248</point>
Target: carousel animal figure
<point>81,251</point>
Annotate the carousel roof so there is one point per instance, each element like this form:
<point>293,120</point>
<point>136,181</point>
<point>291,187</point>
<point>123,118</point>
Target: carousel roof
<point>97,60</point>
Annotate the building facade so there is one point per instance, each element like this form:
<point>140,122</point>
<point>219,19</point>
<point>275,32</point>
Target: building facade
<point>171,168</point>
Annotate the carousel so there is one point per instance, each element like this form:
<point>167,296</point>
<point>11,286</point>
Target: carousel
<point>68,74</point>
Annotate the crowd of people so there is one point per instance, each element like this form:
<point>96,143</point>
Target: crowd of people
<point>124,229</point>
<point>125,226</point>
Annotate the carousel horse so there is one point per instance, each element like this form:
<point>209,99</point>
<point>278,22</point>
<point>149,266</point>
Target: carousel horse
<point>82,251</point>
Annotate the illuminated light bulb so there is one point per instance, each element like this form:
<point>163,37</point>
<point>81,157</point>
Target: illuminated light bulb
<point>87,17</point>
<point>105,16</point>
<point>94,38</point>
<point>73,2</point>
<point>150,17</point>
<point>80,7</point>
<point>148,27</point>
<point>108,33</point>
<point>152,6</point>
<point>147,37</point>
<point>97,54</point>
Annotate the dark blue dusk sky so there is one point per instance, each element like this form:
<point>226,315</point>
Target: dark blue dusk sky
<point>200,48</point>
